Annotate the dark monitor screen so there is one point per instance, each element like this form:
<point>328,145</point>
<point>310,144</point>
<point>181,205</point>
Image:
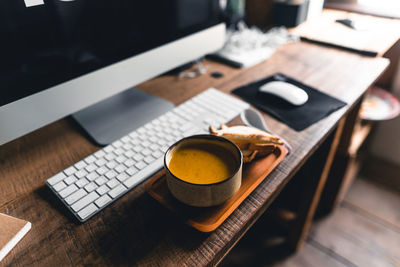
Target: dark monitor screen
<point>48,44</point>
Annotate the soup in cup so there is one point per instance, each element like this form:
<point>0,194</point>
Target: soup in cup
<point>203,170</point>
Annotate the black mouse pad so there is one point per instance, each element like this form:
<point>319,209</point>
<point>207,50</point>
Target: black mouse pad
<point>318,106</point>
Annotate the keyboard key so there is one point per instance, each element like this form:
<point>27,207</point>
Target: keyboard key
<point>118,151</point>
<point>117,191</point>
<point>126,139</point>
<point>146,143</point>
<point>161,142</point>
<point>135,142</point>
<point>99,154</point>
<point>149,159</point>
<point>81,173</point>
<point>81,182</point>
<point>138,157</point>
<point>146,152</point>
<point>129,163</point>
<point>101,170</point>
<point>102,201</point>
<point>122,177</point>
<point>111,164</point>
<point>117,144</point>
<point>142,137</point>
<point>111,174</point>
<point>90,167</point>
<point>75,196</point>
<point>120,168</point>
<point>77,206</point>
<point>68,190</point>
<point>108,149</point>
<point>70,180</point>
<point>154,147</point>
<point>138,149</point>
<point>129,154</point>
<point>127,147</point>
<point>60,186</point>
<point>164,148</point>
<point>100,162</point>
<point>191,131</point>
<point>110,156</point>
<point>157,154</point>
<point>102,189</point>
<point>170,138</point>
<point>101,180</point>
<point>92,176</point>
<point>153,139</point>
<point>121,159</point>
<point>86,212</point>
<point>69,171</point>
<point>140,165</point>
<point>90,159</point>
<point>133,135</point>
<point>90,187</point>
<point>112,183</point>
<point>56,178</point>
<point>80,165</point>
<point>131,171</point>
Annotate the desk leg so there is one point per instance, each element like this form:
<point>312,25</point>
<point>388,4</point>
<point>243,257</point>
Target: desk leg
<point>314,174</point>
<point>344,165</point>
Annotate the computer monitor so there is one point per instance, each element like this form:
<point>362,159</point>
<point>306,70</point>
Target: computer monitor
<point>59,57</point>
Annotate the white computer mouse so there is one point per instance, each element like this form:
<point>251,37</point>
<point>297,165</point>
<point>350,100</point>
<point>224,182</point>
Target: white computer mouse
<point>287,91</point>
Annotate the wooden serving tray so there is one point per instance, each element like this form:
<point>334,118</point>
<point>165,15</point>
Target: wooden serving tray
<point>208,219</point>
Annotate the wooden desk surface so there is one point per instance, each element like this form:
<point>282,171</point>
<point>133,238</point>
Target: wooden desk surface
<point>135,229</point>
<point>378,37</point>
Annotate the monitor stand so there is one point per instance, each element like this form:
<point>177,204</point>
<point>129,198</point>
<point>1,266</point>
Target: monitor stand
<point>119,115</point>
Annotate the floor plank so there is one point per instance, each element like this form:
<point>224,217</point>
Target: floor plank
<point>376,200</point>
<point>360,240</point>
<point>310,256</point>
<point>264,245</point>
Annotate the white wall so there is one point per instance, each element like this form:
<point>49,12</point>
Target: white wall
<point>315,8</point>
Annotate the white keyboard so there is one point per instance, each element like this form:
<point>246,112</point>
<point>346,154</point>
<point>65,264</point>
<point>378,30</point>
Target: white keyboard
<point>91,184</point>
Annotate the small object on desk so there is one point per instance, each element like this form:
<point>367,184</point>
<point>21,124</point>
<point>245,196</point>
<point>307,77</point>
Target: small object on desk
<point>286,91</point>
<point>318,106</point>
<point>203,170</point>
<point>217,75</point>
<point>11,232</point>
<point>198,70</point>
<point>253,118</point>
<point>347,22</point>
<point>379,104</point>
<point>358,25</point>
<point>249,46</point>
<point>251,141</point>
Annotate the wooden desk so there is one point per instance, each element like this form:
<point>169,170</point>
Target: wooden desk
<point>138,231</point>
<point>375,39</point>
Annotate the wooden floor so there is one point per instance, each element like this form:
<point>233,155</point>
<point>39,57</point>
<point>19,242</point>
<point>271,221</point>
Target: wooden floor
<point>363,231</point>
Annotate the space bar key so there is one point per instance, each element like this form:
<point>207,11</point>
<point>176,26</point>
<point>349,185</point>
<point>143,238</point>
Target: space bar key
<point>144,173</point>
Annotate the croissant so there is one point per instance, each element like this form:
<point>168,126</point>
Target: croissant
<point>251,141</point>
